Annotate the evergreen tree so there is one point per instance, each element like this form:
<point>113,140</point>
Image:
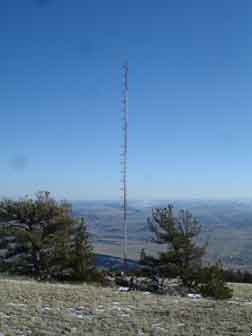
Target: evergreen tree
<point>55,244</point>
<point>183,256</point>
<point>142,256</point>
<point>179,234</point>
<point>82,256</point>
<point>33,222</point>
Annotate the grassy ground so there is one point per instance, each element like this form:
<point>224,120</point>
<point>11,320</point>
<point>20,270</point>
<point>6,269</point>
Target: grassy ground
<point>33,308</point>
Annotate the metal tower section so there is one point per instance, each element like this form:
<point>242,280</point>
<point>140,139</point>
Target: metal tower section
<point>124,162</point>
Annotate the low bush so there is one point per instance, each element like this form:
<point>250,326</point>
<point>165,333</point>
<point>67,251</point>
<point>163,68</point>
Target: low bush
<point>212,282</point>
<point>209,281</point>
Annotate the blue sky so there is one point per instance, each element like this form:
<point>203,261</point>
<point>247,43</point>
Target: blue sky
<point>190,102</point>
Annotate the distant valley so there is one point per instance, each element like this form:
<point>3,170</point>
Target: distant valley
<point>227,225</point>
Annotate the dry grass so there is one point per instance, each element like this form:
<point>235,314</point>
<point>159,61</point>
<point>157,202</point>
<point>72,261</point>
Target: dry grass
<point>32,308</point>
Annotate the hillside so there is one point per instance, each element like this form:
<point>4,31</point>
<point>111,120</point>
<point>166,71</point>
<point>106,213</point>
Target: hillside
<point>41,309</point>
<point>222,222</point>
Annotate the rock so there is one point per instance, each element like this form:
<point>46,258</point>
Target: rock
<point>12,246</point>
<point>109,281</point>
<point>3,254</point>
<point>15,258</point>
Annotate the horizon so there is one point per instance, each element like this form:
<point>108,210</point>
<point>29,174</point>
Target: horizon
<point>189,98</point>
<point>143,200</point>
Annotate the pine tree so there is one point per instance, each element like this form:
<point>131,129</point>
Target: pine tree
<point>142,256</point>
<point>183,256</point>
<point>178,233</point>
<point>82,256</point>
<point>55,244</point>
<point>33,223</point>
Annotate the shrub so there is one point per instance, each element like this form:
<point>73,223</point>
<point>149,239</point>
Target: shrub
<point>211,282</point>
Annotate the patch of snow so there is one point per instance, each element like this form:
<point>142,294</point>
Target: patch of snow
<point>17,304</point>
<point>77,313</point>
<point>194,296</point>
<point>240,302</point>
<point>117,308</point>
<point>156,325</point>
<point>100,310</point>
<point>123,289</point>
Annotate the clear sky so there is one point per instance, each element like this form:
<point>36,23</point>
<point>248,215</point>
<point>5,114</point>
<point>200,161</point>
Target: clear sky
<point>190,97</point>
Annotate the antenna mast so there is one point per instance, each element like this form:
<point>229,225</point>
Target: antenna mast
<point>124,161</point>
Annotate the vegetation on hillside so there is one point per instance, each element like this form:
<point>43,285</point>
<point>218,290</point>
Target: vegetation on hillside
<point>183,256</point>
<point>41,237</point>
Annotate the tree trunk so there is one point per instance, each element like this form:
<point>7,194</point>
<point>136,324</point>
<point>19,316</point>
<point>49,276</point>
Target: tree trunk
<point>36,262</point>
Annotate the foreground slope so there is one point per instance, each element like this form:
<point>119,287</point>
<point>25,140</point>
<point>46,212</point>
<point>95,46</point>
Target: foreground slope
<point>32,308</point>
